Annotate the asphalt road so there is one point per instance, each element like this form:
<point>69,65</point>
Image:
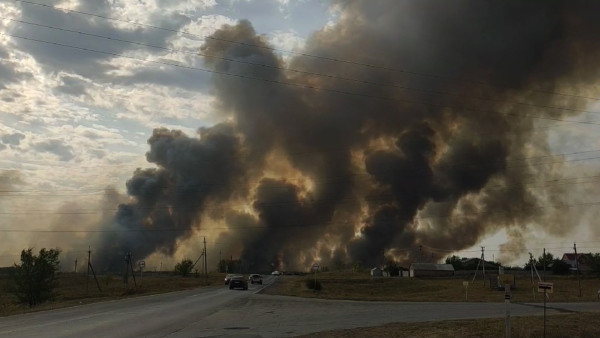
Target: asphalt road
<point>218,311</point>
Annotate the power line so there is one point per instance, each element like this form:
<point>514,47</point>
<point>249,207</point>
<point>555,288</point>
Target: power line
<point>372,83</point>
<point>336,178</point>
<point>297,85</point>
<point>332,59</point>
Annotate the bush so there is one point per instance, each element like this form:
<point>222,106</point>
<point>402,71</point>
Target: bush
<point>35,278</point>
<point>311,285</point>
<point>184,267</point>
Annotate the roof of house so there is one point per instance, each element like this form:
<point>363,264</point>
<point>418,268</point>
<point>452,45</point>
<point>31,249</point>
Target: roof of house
<point>432,266</point>
<point>581,257</point>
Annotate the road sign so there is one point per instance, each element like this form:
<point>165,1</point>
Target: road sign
<point>142,264</point>
<point>545,287</point>
<point>315,267</point>
<point>465,284</point>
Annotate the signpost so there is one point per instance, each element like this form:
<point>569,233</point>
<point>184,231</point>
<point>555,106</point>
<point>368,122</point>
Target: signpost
<point>546,288</point>
<point>142,265</point>
<point>466,285</point>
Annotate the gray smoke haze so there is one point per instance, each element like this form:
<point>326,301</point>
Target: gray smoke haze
<point>331,177</point>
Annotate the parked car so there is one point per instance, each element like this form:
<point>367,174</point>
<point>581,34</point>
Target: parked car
<point>238,282</point>
<point>228,278</point>
<point>255,279</point>
<point>276,273</point>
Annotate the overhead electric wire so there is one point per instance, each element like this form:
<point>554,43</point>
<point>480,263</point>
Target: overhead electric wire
<point>101,190</point>
<point>337,77</point>
<point>292,84</point>
<point>332,59</point>
<point>290,227</point>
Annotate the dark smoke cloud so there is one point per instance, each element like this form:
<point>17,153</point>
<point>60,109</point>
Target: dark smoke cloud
<point>346,178</point>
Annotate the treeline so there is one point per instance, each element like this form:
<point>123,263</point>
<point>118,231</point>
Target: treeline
<point>590,261</point>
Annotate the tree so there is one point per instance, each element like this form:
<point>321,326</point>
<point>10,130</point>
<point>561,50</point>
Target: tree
<point>560,267</point>
<point>456,262</point>
<point>392,268</point>
<point>35,278</point>
<point>184,267</point>
<point>544,260</point>
<point>594,262</point>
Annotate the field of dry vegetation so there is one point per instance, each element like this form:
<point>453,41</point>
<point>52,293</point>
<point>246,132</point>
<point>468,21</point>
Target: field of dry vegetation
<point>359,286</point>
<point>75,289</point>
<point>569,325</point>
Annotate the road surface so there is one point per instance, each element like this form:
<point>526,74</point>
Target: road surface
<point>220,312</point>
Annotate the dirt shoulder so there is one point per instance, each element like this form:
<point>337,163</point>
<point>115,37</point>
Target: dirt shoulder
<point>568,325</point>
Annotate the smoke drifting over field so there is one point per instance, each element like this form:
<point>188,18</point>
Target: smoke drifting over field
<point>383,164</point>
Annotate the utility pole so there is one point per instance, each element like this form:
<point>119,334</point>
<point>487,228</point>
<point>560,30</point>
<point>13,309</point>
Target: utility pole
<point>205,266</point>
<point>577,267</point>
<point>87,278</point>
<point>75,265</point>
<point>483,261</point>
<point>544,275</point>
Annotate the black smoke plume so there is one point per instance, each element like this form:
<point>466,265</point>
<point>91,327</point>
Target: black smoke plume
<point>412,143</point>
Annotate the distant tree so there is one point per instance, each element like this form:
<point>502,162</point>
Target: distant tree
<point>392,268</point>
<point>560,267</point>
<point>184,267</point>
<point>544,260</point>
<point>456,262</point>
<point>594,262</point>
<point>35,278</point>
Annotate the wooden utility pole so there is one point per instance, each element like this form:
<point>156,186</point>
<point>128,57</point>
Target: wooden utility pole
<point>87,278</point>
<point>89,267</point>
<point>205,266</point>
<point>483,261</point>
<point>544,275</point>
<point>577,267</point>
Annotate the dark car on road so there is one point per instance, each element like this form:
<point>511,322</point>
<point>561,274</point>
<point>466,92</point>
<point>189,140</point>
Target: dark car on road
<point>255,279</point>
<point>238,282</point>
<point>229,277</point>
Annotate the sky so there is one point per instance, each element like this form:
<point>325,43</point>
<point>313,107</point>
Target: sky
<point>84,83</point>
<point>74,122</point>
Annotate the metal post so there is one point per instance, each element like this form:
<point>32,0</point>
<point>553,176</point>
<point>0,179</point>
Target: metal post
<point>507,315</point>
<point>544,313</point>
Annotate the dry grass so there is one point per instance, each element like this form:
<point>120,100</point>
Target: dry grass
<point>75,289</point>
<point>358,286</point>
<point>571,325</point>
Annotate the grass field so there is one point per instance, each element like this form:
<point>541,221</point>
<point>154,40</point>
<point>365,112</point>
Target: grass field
<point>75,289</point>
<point>569,325</point>
<point>359,286</point>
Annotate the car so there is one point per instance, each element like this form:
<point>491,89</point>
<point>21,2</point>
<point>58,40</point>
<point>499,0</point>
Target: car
<point>276,273</point>
<point>255,279</point>
<point>229,277</point>
<point>238,282</point>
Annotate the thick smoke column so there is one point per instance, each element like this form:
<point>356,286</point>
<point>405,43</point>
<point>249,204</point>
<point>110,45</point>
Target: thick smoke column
<point>383,164</point>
